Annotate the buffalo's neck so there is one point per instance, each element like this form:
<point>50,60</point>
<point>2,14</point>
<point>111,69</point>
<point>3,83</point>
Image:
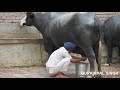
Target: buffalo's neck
<point>38,25</point>
<point>40,22</point>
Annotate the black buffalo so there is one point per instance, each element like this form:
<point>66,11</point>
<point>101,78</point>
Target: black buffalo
<point>112,36</point>
<point>81,28</point>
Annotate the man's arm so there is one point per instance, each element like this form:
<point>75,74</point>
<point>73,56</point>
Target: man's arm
<point>76,59</point>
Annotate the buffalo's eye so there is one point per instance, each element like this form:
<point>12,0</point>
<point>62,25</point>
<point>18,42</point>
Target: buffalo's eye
<point>32,15</point>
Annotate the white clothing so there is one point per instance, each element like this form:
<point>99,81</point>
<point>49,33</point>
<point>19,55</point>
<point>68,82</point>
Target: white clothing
<point>58,61</point>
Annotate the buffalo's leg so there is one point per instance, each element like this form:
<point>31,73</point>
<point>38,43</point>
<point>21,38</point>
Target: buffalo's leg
<point>96,50</point>
<point>119,54</point>
<point>49,47</point>
<point>91,57</point>
<point>118,50</point>
<point>109,52</point>
<point>98,54</point>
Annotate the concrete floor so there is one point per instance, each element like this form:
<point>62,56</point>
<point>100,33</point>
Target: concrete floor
<point>40,72</point>
<point>29,72</point>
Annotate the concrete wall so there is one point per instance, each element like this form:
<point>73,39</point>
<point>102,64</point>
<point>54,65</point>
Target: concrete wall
<point>20,46</point>
<point>11,17</point>
<point>105,15</point>
<point>15,17</point>
<point>23,46</point>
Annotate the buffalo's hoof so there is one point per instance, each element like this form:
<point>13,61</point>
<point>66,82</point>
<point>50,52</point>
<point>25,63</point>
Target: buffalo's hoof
<point>107,64</point>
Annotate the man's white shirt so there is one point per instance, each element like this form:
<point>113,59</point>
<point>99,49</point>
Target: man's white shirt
<point>57,56</point>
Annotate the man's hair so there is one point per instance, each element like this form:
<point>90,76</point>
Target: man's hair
<point>69,46</point>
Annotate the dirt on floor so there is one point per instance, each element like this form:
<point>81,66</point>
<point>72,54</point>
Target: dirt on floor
<point>112,71</point>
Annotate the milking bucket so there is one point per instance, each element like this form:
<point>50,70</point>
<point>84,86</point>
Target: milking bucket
<point>81,69</point>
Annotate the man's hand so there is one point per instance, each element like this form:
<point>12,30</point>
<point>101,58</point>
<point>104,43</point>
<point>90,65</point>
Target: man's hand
<point>76,59</point>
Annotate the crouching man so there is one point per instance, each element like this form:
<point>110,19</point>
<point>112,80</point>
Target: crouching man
<point>60,59</point>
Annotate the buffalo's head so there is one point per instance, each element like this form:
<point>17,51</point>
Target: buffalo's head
<point>28,19</point>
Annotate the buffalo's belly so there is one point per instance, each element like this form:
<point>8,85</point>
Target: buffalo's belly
<point>59,40</point>
<point>113,35</point>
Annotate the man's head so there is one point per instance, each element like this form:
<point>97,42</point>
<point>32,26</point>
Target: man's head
<point>69,46</point>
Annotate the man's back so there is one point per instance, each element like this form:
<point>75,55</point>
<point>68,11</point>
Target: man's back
<point>56,56</point>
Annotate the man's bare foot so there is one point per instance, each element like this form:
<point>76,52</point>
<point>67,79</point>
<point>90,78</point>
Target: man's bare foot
<point>64,75</point>
<point>61,75</point>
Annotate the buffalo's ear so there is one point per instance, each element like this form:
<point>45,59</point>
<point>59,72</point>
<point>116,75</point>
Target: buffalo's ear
<point>32,15</point>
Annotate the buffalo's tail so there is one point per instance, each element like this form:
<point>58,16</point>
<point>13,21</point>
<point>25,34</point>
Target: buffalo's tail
<point>99,25</point>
